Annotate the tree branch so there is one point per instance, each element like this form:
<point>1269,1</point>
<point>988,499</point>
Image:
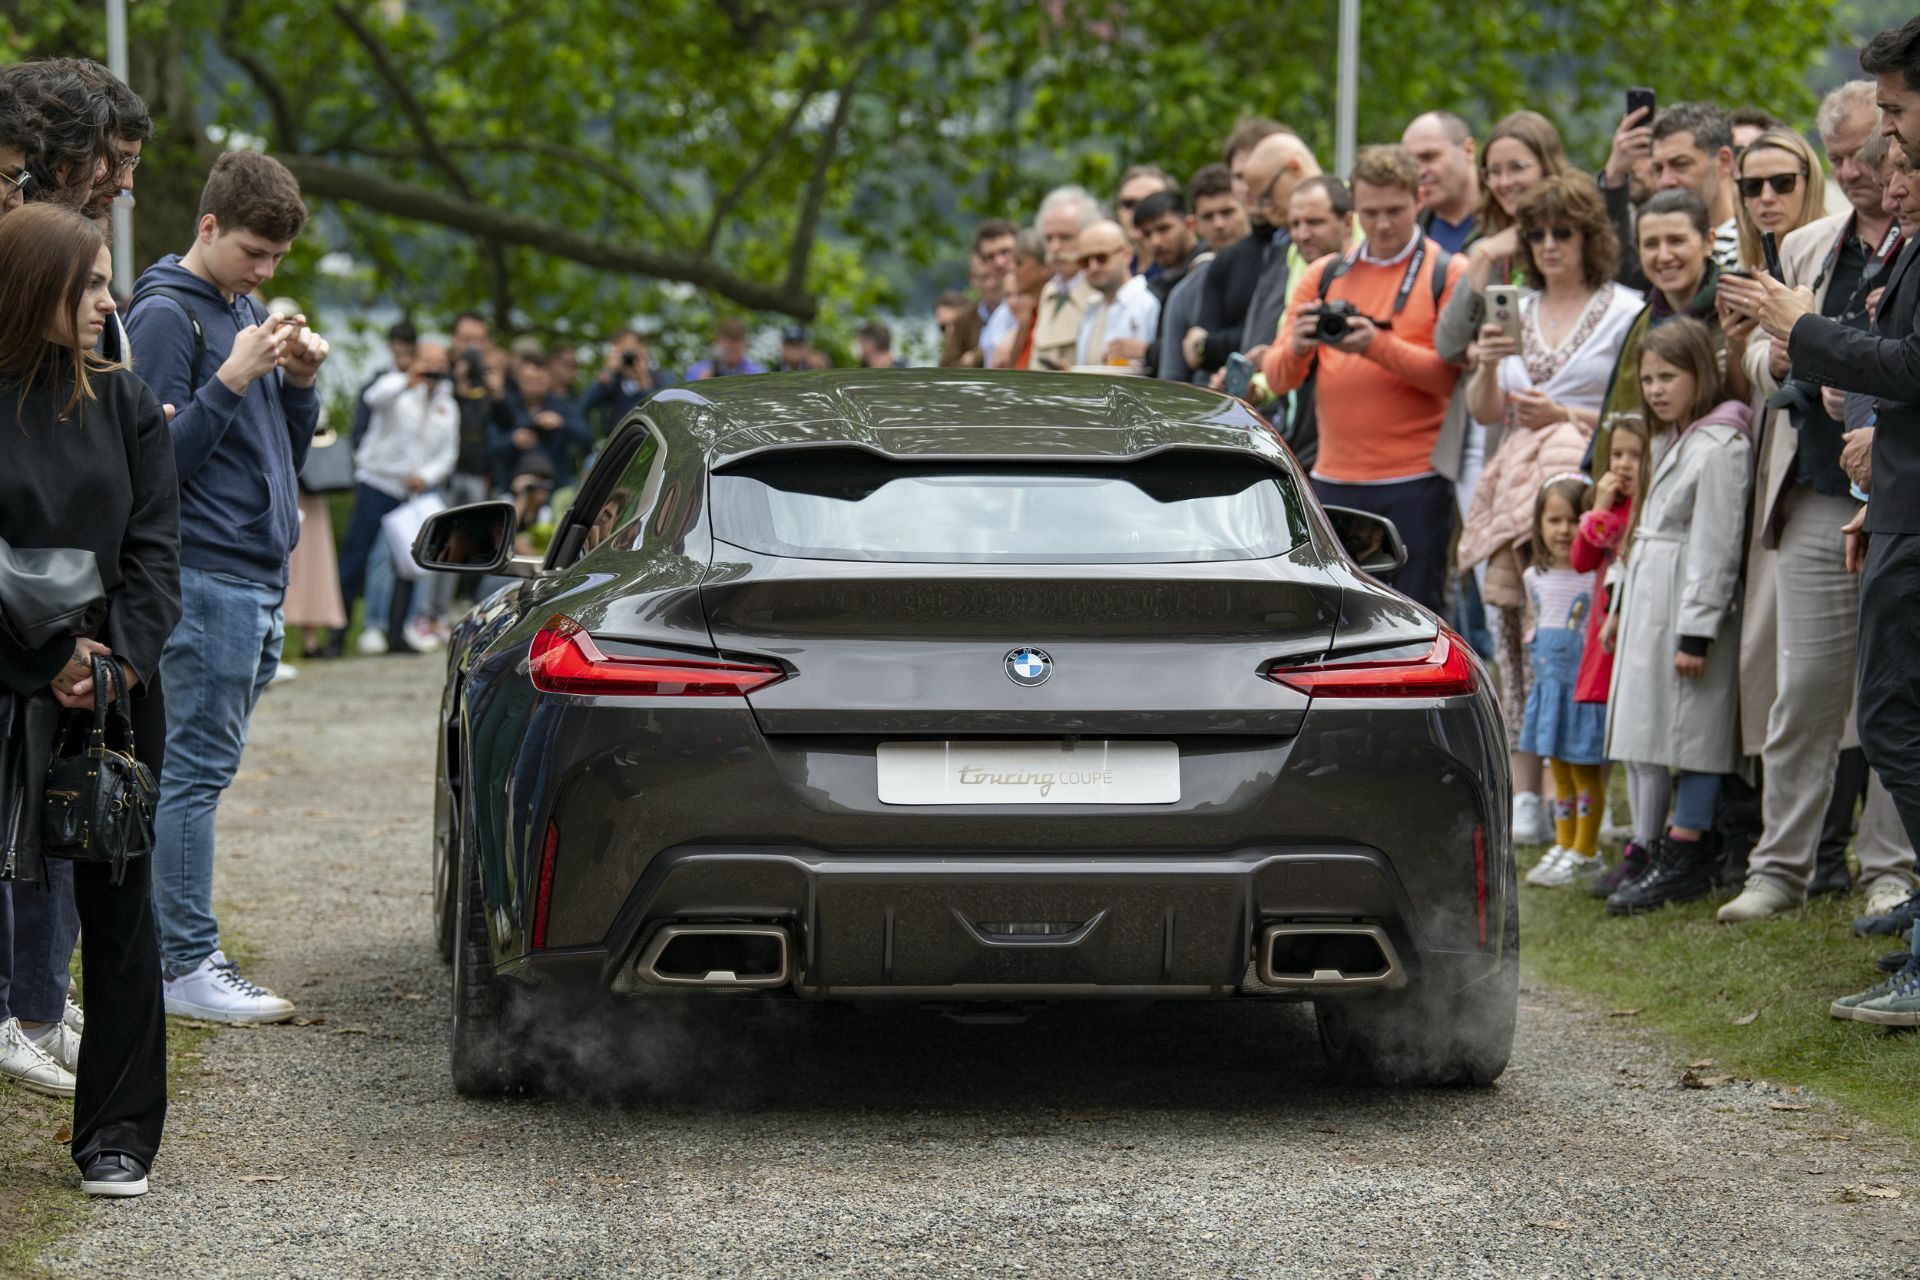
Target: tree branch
<point>285,122</point>
<point>809,222</point>
<point>724,205</point>
<point>331,180</point>
<point>560,151</point>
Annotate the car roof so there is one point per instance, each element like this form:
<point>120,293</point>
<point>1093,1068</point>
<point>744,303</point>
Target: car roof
<point>959,413</point>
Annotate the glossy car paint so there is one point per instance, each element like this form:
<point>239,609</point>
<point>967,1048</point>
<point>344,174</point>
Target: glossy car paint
<point>765,807</point>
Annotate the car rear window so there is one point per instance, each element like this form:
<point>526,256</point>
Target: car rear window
<point>849,504</point>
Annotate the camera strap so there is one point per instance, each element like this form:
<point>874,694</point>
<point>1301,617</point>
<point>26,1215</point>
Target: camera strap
<point>1877,262</point>
<point>1410,278</point>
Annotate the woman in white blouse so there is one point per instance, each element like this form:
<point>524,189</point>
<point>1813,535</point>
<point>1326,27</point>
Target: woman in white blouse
<point>1553,379</point>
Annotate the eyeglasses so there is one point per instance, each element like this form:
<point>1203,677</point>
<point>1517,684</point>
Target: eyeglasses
<point>125,164</point>
<point>1559,235</point>
<point>1095,259</point>
<point>1782,184</point>
<point>16,182</point>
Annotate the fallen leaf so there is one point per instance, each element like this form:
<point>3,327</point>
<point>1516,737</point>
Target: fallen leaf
<point>1882,1193</point>
<point>1691,1079</point>
<point>316,1020</point>
<point>1747,1019</point>
<point>1624,1013</point>
<point>1786,1106</point>
<point>1551,1224</point>
<point>264,1177</point>
<point>63,1134</point>
<point>1701,1065</point>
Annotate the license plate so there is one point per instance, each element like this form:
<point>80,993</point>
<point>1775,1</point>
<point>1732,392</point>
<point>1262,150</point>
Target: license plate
<point>1028,772</point>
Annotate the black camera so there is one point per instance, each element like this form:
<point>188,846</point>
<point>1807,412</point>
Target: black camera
<point>629,359</point>
<point>476,365</point>
<point>1334,318</point>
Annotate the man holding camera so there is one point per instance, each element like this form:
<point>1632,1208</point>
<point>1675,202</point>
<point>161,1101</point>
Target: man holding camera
<point>1361,324</point>
<point>627,378</point>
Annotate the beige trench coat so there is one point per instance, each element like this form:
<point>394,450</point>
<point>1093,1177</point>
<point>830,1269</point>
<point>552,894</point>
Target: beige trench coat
<point>1681,574</point>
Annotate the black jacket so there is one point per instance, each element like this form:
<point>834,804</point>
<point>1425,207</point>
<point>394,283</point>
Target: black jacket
<point>1228,290</point>
<point>1885,364</point>
<point>104,482</point>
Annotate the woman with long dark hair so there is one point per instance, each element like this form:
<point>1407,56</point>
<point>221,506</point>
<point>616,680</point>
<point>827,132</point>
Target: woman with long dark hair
<point>86,462</point>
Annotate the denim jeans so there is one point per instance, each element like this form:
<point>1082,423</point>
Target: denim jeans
<point>38,930</point>
<point>363,548</point>
<point>215,664</point>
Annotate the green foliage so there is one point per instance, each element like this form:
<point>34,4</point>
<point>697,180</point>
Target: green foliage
<point>632,121</point>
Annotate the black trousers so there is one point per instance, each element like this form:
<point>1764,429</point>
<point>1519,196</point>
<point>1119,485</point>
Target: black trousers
<point>1423,511</point>
<point>1890,670</point>
<point>120,1099</point>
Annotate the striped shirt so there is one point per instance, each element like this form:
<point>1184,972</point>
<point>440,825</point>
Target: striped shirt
<point>1726,245</point>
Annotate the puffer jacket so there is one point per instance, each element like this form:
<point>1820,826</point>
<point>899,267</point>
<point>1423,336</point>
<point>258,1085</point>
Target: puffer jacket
<point>1498,528</point>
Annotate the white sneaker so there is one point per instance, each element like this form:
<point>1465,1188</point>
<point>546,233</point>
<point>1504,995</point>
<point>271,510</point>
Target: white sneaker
<point>421,636</point>
<point>282,673</point>
<point>371,642</point>
<point>75,1018</point>
<point>23,1062</point>
<point>1572,868</point>
<point>1759,900</point>
<point>58,1042</point>
<point>1547,869</point>
<point>1887,893</point>
<point>215,992</point>
<point>1530,825</point>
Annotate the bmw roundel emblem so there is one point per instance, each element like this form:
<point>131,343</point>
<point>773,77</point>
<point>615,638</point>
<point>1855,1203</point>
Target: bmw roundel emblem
<point>1029,666</point>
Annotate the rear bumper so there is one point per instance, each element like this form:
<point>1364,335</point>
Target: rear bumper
<point>1031,927</point>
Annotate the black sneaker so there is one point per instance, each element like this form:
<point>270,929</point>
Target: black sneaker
<point>1899,920</point>
<point>1634,862</point>
<point>1683,870</point>
<point>113,1173</point>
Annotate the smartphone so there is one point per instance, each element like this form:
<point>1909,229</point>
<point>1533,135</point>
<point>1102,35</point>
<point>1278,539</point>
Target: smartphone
<point>1640,96</point>
<point>1770,247</point>
<point>1239,376</point>
<point>1503,308</point>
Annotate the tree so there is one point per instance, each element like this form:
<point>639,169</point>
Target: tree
<point>582,161</point>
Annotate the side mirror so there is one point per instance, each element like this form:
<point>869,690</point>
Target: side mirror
<point>1372,541</point>
<point>477,538</point>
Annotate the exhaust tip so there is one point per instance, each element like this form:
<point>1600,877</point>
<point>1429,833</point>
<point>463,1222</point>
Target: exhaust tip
<point>729,956</point>
<point>1329,955</point>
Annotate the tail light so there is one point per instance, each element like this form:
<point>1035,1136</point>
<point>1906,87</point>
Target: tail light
<point>1480,878</point>
<point>1444,672</point>
<point>543,887</point>
<point>564,659</point>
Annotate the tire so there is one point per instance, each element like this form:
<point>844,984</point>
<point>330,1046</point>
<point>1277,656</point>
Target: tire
<point>1418,1038</point>
<point>486,1058</point>
<point>446,859</point>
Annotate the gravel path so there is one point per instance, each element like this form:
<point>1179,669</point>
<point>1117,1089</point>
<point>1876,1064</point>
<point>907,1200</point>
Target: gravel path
<point>1177,1141</point>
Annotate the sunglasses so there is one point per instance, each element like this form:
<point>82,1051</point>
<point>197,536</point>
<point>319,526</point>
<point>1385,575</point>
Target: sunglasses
<point>1559,235</point>
<point>1782,184</point>
<point>1094,259</point>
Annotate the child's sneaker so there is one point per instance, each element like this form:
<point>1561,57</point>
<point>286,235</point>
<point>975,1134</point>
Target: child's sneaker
<point>1547,870</point>
<point>1574,867</point>
<point>1530,825</point>
<point>1634,862</point>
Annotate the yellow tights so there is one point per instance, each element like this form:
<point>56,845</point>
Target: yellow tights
<point>1576,806</point>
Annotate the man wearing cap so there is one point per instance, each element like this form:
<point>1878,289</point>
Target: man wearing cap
<point>796,352</point>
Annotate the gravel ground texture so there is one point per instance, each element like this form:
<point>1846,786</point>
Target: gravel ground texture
<point>1162,1141</point>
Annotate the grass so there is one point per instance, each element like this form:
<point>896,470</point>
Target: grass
<point>1698,981</point>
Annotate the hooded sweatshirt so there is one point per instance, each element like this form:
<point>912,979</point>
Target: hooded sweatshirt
<point>238,456</point>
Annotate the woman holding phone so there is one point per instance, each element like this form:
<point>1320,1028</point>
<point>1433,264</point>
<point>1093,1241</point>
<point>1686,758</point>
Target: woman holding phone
<point>86,462</point>
<point>1543,383</point>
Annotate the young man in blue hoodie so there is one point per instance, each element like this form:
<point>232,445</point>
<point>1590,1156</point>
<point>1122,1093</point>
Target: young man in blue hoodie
<point>244,384</point>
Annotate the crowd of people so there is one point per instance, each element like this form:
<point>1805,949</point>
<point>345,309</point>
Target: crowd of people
<point>1648,434</point>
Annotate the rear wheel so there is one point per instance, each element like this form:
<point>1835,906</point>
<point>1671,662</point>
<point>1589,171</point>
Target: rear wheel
<point>486,1008</point>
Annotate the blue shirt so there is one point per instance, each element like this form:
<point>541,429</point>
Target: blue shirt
<point>1451,236</point>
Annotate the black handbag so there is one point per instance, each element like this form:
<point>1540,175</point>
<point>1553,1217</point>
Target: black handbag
<point>329,464</point>
<point>48,592</point>
<point>99,802</point>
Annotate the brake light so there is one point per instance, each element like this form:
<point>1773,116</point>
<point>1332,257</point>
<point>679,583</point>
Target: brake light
<point>564,659</point>
<point>1444,672</point>
<point>543,887</point>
